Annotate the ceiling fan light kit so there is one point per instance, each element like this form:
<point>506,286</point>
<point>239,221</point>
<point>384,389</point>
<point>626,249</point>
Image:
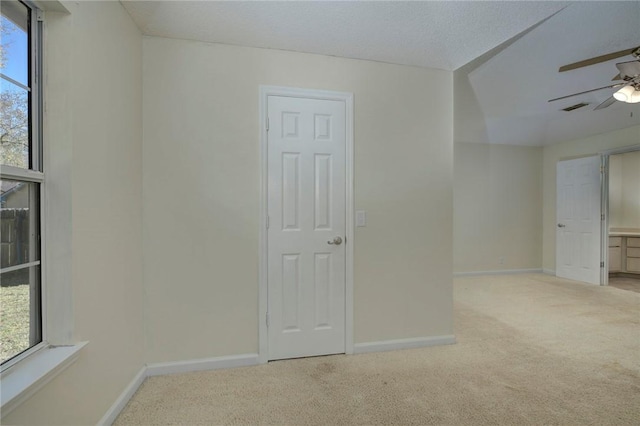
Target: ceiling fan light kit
<point>625,94</point>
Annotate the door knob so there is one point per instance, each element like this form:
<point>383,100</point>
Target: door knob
<point>561,225</point>
<point>337,241</point>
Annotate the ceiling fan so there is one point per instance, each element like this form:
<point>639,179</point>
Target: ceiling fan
<point>629,76</point>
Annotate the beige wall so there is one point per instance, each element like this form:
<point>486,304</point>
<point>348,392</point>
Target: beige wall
<point>576,148</point>
<point>624,190</point>
<point>631,190</point>
<point>201,194</point>
<point>615,191</point>
<point>93,137</point>
<point>497,215</point>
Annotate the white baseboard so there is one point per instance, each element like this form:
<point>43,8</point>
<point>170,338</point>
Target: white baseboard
<point>498,272</point>
<point>216,363</point>
<point>247,360</point>
<point>111,414</point>
<point>549,272</point>
<point>392,345</point>
<point>171,368</point>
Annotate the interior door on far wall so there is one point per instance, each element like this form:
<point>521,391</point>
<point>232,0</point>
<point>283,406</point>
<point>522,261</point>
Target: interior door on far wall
<point>306,154</point>
<point>578,220</point>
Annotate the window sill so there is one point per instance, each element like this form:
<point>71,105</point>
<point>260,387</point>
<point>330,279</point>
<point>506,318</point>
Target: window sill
<point>25,378</point>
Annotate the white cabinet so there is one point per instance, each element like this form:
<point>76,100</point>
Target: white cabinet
<point>624,254</point>
<point>633,255</point>
<point>615,259</point>
<point>615,254</point>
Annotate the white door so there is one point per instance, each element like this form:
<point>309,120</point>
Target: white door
<point>578,220</point>
<point>306,235</point>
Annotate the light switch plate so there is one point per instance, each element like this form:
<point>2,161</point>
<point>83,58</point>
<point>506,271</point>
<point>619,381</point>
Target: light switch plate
<point>361,218</point>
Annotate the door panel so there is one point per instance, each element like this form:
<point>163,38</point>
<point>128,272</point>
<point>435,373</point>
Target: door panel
<point>307,210</point>
<point>291,292</point>
<point>323,186</point>
<point>578,220</point>
<point>290,191</point>
<point>322,287</point>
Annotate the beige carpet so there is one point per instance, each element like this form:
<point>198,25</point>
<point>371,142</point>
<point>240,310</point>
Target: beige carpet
<point>531,349</point>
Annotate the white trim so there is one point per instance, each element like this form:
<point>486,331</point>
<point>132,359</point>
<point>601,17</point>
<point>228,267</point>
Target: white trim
<point>394,345</point>
<point>162,368</point>
<point>263,247</point>
<point>263,332</point>
<point>349,246</point>
<point>203,364</point>
<point>604,207</point>
<point>498,272</point>
<point>16,173</point>
<point>549,272</point>
<point>604,219</point>
<point>15,82</point>
<point>49,5</point>
<point>23,380</point>
<point>20,266</point>
<point>121,402</point>
<point>621,150</point>
<point>347,98</point>
<point>23,355</point>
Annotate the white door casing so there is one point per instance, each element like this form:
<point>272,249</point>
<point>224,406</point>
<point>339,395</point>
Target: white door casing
<point>578,220</point>
<point>307,190</point>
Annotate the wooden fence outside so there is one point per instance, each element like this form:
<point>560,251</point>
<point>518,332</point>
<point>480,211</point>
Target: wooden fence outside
<point>14,236</point>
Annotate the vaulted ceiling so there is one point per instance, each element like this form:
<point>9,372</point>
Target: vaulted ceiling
<point>505,54</point>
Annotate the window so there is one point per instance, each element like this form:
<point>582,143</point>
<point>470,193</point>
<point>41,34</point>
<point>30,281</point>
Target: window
<point>21,182</point>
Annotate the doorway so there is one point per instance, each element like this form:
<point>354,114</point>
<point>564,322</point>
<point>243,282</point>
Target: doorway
<point>621,248</point>
<point>582,208</point>
<point>306,256</point>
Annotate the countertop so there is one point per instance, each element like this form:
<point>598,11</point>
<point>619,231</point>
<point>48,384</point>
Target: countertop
<point>624,232</point>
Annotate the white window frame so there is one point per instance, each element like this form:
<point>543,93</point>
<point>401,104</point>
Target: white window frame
<point>35,173</point>
<point>26,373</point>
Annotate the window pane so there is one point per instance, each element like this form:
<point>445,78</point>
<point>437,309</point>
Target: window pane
<point>20,323</point>
<point>14,85</point>
<point>19,223</point>
<point>14,28</point>
<point>14,126</point>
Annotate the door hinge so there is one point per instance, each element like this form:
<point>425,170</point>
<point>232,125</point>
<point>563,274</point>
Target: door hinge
<point>602,169</point>
<point>602,216</point>
<point>602,264</point>
<point>267,124</point>
<point>268,319</point>
<point>267,222</point>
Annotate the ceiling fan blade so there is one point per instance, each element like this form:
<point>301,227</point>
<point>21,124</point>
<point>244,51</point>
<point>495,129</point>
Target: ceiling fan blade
<point>606,103</point>
<point>588,91</point>
<point>597,60</point>
<point>629,69</point>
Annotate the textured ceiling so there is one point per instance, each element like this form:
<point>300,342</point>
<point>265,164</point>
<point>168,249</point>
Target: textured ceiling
<point>506,53</point>
<point>512,88</point>
<point>430,34</point>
